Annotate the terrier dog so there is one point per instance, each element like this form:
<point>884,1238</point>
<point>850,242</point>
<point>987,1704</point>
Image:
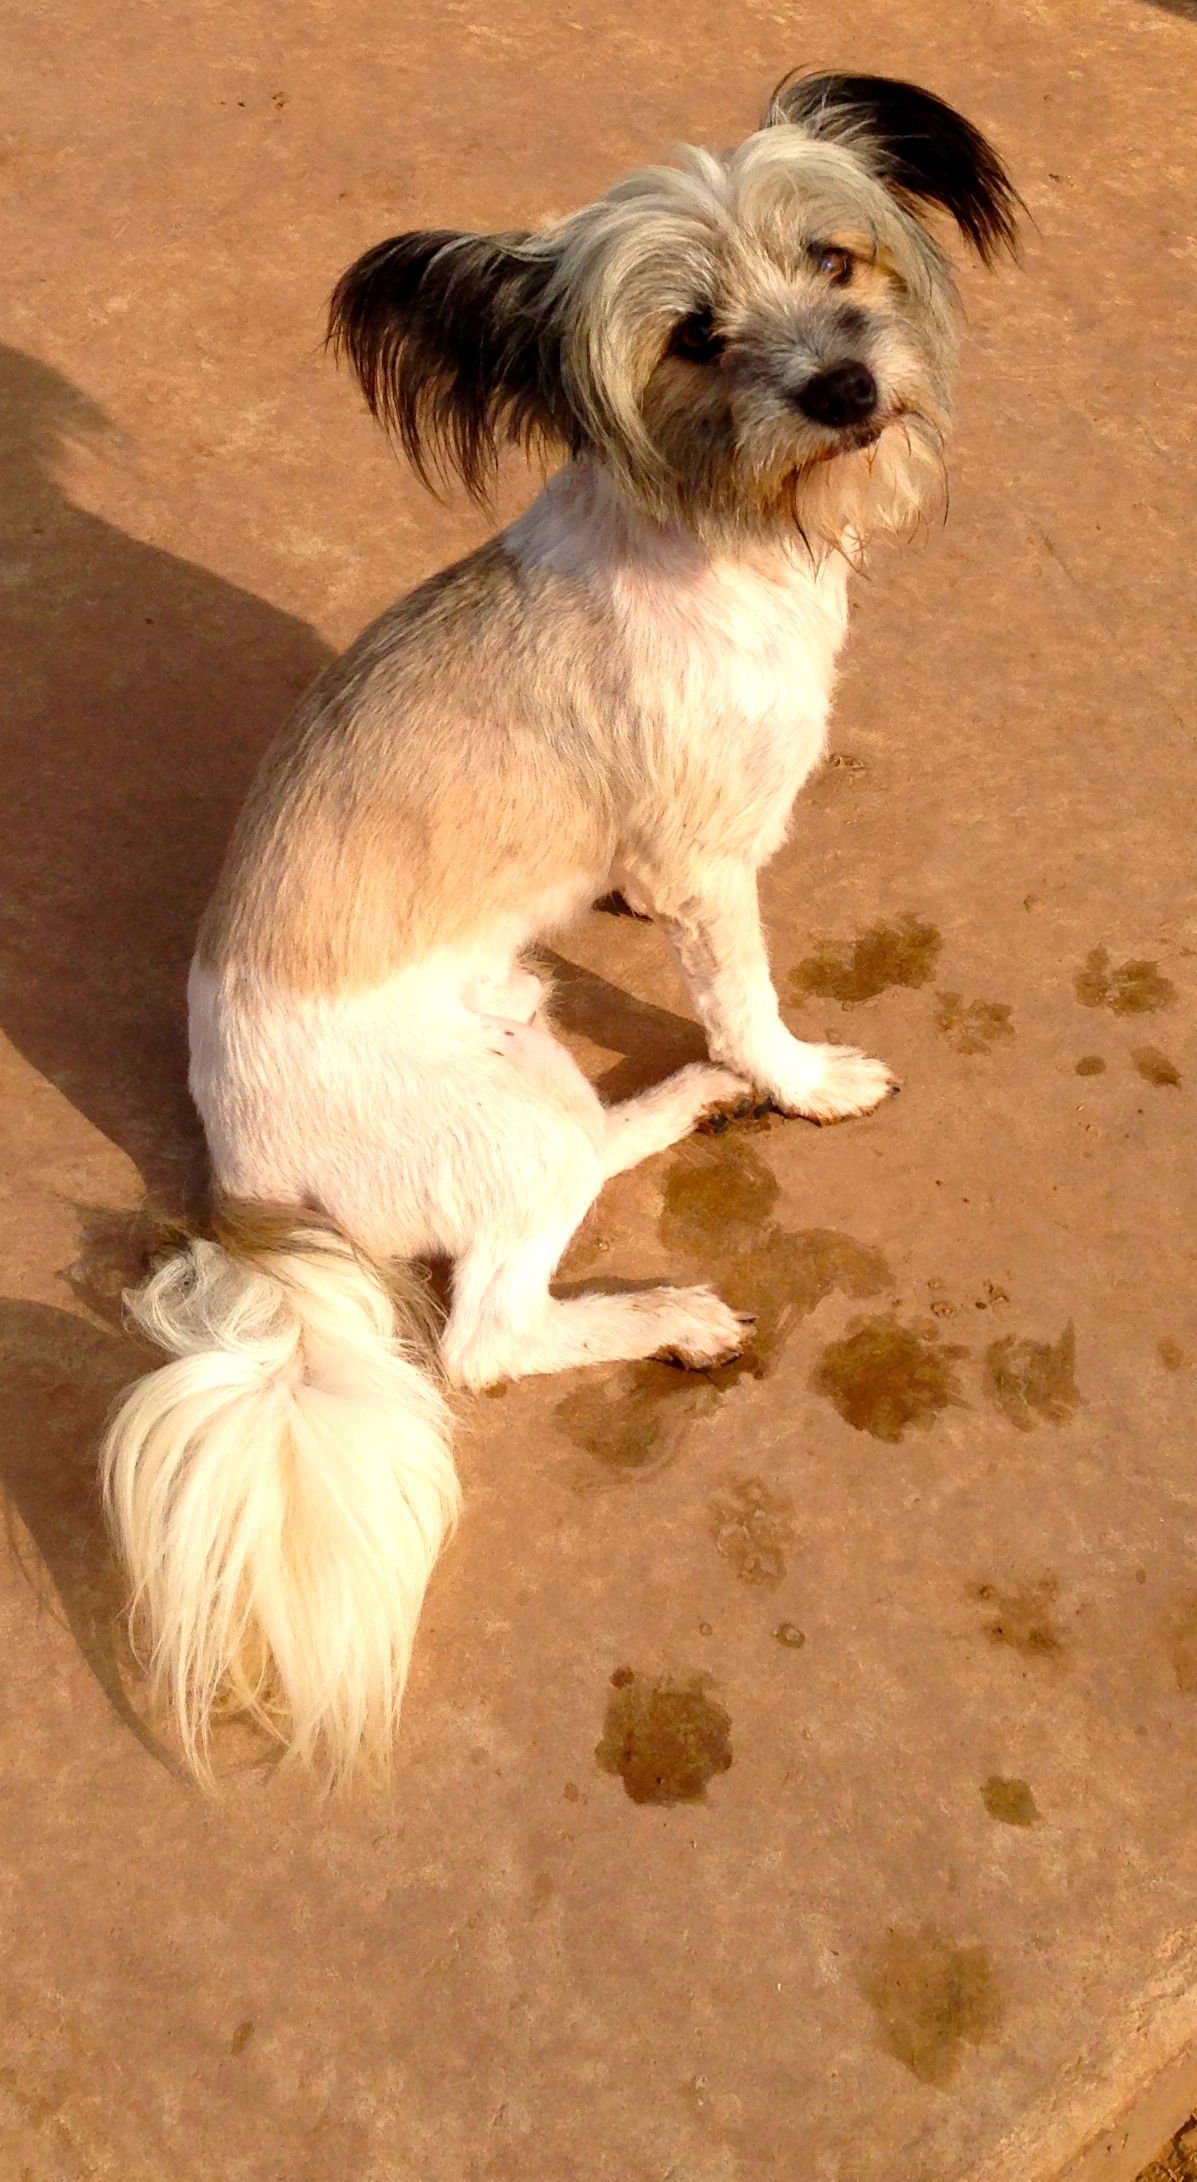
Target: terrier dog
<point>745,361</point>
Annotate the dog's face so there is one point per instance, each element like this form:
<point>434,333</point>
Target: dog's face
<point>763,338</point>
<point>752,341</point>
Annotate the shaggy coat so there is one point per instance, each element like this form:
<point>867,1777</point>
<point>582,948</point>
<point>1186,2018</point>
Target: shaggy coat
<point>745,361</point>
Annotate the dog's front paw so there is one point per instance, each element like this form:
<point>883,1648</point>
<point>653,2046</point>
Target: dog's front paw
<point>828,1083</point>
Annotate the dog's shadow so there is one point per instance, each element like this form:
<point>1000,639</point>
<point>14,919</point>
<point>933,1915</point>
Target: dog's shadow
<point>140,691</point>
<point>651,1039</point>
<point>60,1376</point>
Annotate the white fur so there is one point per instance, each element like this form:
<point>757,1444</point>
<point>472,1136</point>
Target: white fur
<point>747,358</point>
<point>734,667</point>
<point>381,1105</point>
<point>280,1492</point>
<point>281,1489</point>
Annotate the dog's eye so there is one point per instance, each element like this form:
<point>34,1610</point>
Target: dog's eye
<point>837,264</point>
<point>695,338</point>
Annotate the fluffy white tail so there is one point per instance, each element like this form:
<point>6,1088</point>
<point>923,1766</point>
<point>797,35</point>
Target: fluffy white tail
<point>280,1491</point>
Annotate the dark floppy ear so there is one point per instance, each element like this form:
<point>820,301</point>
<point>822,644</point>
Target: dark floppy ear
<point>921,148</point>
<point>457,348</point>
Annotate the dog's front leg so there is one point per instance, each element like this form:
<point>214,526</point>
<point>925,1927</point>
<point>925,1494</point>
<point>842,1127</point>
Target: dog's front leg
<point>714,926</point>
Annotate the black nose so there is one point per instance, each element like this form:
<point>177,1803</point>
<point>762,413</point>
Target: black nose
<point>843,394</point>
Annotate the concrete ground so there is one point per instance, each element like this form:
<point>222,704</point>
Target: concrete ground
<point>800,1769</point>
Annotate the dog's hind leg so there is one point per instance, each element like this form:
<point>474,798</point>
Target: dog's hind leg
<point>638,1127</point>
<point>505,1324</point>
<point>552,1148</point>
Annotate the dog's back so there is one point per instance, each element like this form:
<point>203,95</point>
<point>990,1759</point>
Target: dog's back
<point>437,777</point>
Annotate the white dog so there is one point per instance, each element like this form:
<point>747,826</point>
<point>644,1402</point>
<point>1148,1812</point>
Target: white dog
<point>746,360</point>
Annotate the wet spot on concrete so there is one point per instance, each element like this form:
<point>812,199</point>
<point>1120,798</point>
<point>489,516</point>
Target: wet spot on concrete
<point>1090,1064</point>
<point>973,1026</point>
<point>1182,1643</point>
<point>932,1997</point>
<point>1134,988</point>
<point>716,1202</point>
<point>902,953</point>
<point>1033,1381</point>
<point>1009,1801</point>
<point>752,1528</point>
<point>241,2037</point>
<point>787,1276</point>
<point>1022,1619</point>
<point>632,1420</point>
<point>717,1195</point>
<point>820,1262</point>
<point>1171,1355</point>
<point>666,1740</point>
<point>884,1376</point>
<point>787,1634</point>
<point>1155,1067</point>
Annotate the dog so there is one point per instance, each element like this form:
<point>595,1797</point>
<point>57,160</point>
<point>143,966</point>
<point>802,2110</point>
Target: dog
<point>743,364</point>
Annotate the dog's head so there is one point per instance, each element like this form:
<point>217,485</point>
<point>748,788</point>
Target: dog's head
<point>748,341</point>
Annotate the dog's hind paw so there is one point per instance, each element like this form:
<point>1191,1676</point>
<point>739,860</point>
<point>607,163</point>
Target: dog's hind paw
<point>699,1329</point>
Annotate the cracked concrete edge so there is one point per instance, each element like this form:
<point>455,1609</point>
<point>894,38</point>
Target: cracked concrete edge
<point>1150,2119</point>
<point>1100,2131</point>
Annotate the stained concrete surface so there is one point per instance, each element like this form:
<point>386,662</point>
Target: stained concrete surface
<point>800,1765</point>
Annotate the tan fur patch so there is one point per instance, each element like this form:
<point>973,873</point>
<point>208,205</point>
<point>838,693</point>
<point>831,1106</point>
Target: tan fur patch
<point>426,789</point>
<point>256,1231</point>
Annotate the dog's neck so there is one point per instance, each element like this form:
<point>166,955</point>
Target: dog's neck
<point>745,623</point>
<point>582,526</point>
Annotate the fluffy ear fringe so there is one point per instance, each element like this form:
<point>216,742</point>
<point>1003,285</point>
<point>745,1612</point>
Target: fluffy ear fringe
<point>458,349</point>
<point>921,148</point>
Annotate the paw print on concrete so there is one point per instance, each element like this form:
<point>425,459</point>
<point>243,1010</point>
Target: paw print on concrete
<point>972,1026</point>
<point>1134,988</point>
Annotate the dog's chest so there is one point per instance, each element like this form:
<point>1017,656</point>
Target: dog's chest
<point>740,657</point>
